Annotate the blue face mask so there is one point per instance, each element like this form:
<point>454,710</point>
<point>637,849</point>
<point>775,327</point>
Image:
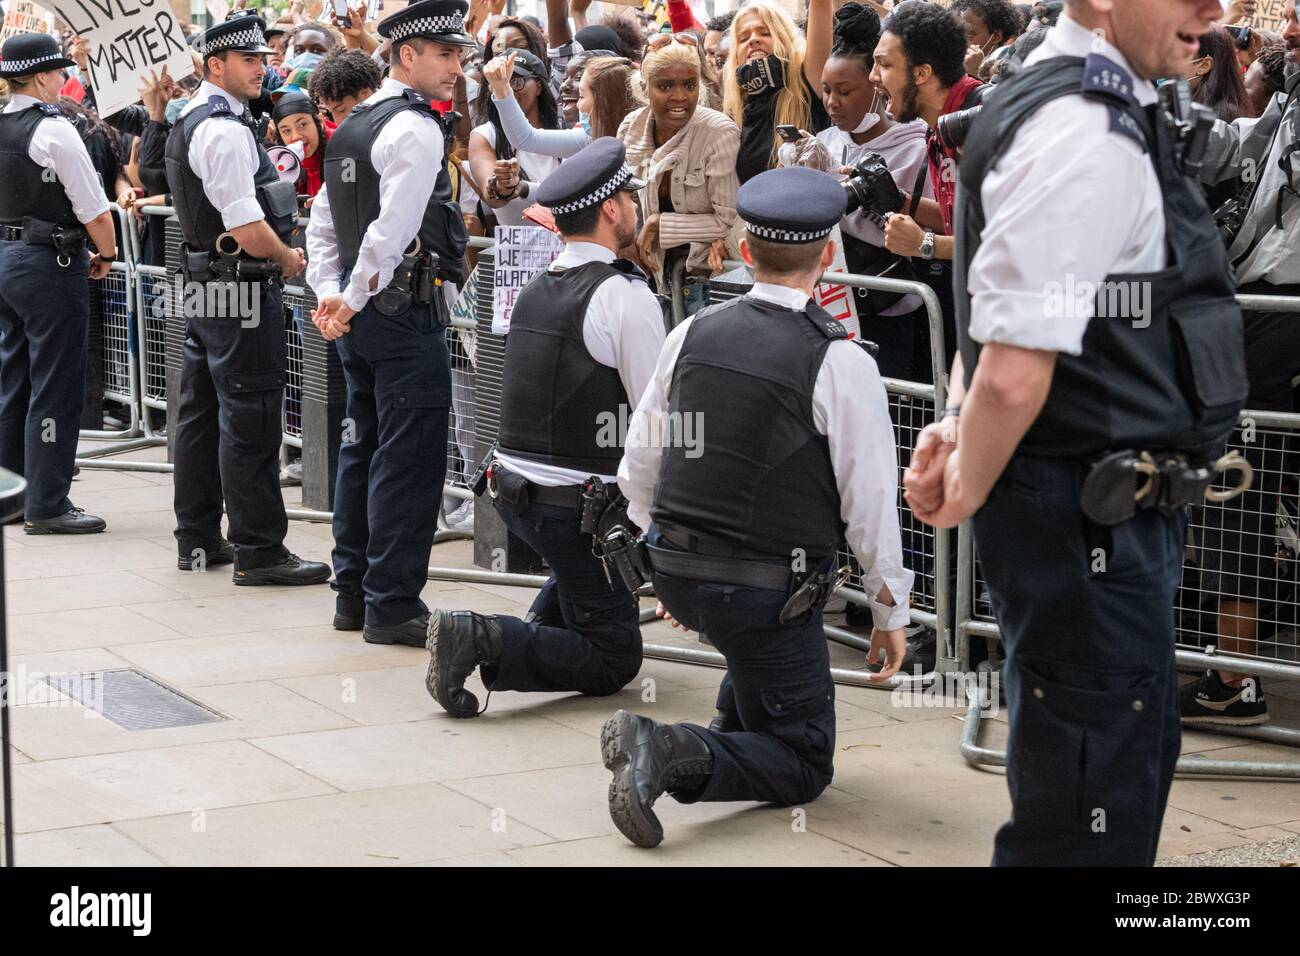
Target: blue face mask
<point>584,120</point>
<point>304,61</point>
<point>173,110</point>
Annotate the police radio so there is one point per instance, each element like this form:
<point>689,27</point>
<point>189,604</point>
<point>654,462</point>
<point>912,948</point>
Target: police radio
<point>1189,125</point>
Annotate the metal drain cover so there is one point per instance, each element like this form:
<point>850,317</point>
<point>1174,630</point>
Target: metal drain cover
<point>132,700</point>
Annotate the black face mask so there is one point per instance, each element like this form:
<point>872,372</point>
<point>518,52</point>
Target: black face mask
<point>756,76</point>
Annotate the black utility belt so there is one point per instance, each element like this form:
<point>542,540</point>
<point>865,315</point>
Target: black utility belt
<point>415,282</point>
<point>68,239</point>
<point>714,569</point>
<point>1121,483</point>
<point>204,266</point>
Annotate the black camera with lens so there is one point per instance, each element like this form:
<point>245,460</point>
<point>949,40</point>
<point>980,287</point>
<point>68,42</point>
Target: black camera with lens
<point>872,189</point>
<point>954,127</point>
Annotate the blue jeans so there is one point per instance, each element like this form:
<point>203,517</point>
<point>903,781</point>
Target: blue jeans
<point>582,631</point>
<point>1087,623</point>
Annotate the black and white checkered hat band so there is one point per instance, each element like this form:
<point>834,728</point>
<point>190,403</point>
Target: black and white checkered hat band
<point>250,37</point>
<point>785,235</point>
<point>600,195</point>
<point>423,26</point>
<point>19,67</point>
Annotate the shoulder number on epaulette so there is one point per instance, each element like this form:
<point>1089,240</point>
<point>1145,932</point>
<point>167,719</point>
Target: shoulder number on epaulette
<point>1122,122</point>
<point>218,103</point>
<point>50,109</point>
<point>1103,77</point>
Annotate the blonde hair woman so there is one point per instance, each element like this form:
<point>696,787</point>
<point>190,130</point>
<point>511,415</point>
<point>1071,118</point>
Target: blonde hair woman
<point>772,78</point>
<point>686,154</point>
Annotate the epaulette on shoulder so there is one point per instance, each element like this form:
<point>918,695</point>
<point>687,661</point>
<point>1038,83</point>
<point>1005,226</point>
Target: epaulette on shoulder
<point>1108,82</point>
<point>49,109</point>
<point>219,104</point>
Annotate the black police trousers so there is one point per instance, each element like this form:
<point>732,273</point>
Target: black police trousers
<point>777,687</point>
<point>1087,621</point>
<point>582,632</point>
<point>392,462</point>
<point>44,313</point>
<point>229,427</point>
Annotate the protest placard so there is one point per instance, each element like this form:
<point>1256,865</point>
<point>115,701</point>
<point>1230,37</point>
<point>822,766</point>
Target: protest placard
<point>128,38</point>
<point>521,252</point>
<point>838,299</point>
<point>22,17</point>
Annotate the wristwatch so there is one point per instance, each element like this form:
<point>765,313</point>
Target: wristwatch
<point>927,246</point>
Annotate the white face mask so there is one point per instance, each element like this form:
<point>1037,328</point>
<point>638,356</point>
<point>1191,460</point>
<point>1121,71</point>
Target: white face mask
<point>868,121</point>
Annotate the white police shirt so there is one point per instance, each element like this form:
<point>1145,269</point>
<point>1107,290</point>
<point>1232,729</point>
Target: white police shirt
<point>623,329</point>
<point>851,410</point>
<point>1068,203</point>
<point>57,145</point>
<point>224,156</point>
<point>407,155</point>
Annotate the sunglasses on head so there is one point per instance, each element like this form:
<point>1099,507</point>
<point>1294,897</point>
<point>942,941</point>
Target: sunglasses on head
<point>661,40</point>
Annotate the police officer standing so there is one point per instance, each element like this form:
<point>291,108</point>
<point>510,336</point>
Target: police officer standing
<point>1068,404</point>
<point>583,340</point>
<point>235,216</point>
<point>50,202</point>
<point>798,456</point>
<point>386,222</point>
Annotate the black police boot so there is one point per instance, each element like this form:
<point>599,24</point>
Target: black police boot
<point>648,759</point>
<point>350,614</point>
<point>292,570</point>
<point>72,521</point>
<point>223,553</point>
<point>412,633</point>
<point>458,642</point>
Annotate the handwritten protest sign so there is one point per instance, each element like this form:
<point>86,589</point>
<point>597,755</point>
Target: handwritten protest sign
<point>128,38</point>
<point>521,252</point>
<point>22,17</point>
<point>838,299</point>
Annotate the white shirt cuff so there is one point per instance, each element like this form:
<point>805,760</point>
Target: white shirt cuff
<point>356,297</point>
<point>241,213</point>
<point>1031,320</point>
<point>886,618</point>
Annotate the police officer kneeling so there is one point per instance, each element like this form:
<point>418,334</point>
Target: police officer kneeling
<point>798,456</point>
<point>1070,407</point>
<point>386,220</point>
<point>51,200</point>
<point>235,215</point>
<point>584,336</point>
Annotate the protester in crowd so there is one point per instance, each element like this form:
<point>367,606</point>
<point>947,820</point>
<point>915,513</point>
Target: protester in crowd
<point>297,123</point>
<point>343,79</point>
<point>715,29</point>
<point>277,38</point>
<point>1215,78</point>
<point>1250,43</point>
<point>308,45</point>
<point>631,41</point>
<point>1265,78</point>
<point>686,154</point>
<point>509,177</point>
<point>991,27</point>
<point>861,127</point>
<point>918,64</point>
<point>772,79</point>
<point>604,99</point>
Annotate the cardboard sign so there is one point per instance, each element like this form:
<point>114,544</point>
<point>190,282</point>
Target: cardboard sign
<point>1268,15</point>
<point>22,17</point>
<point>838,300</point>
<point>520,253</point>
<point>128,38</point>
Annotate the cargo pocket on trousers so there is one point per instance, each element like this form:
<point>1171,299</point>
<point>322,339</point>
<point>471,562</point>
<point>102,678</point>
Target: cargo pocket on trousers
<point>424,405</point>
<point>259,398</point>
<point>1080,737</point>
<point>803,716</point>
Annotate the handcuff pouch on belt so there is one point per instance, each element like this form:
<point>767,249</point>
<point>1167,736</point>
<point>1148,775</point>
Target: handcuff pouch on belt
<point>225,263</point>
<point>509,487</point>
<point>1123,482</point>
<point>415,282</point>
<point>68,241</point>
<point>625,552</point>
<point>813,590</point>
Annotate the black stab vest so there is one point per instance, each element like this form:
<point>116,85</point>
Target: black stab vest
<point>28,190</point>
<point>1171,378</point>
<point>760,477</point>
<point>559,405</point>
<point>353,185</point>
<point>200,221</point>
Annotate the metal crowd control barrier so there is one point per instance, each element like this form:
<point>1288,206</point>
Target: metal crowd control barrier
<point>112,346</point>
<point>1241,552</point>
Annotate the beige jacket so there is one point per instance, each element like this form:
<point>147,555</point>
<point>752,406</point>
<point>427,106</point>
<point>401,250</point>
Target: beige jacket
<point>701,161</point>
